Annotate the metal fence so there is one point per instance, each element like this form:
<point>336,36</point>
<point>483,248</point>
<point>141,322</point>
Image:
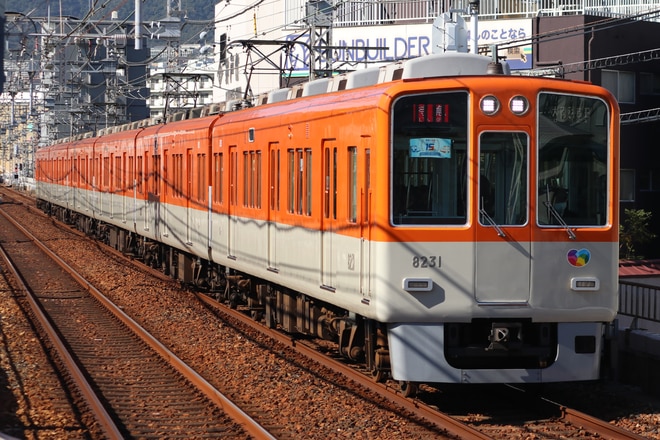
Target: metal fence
<point>374,12</point>
<point>639,301</point>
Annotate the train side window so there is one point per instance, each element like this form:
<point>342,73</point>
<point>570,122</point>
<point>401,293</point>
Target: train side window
<point>106,173</point>
<point>202,188</point>
<point>140,172</point>
<point>291,181</point>
<point>299,169</point>
<point>308,182</point>
<point>156,174</point>
<point>252,179</point>
<point>247,190</point>
<point>131,173</point>
<point>218,172</point>
<point>119,169</point>
<point>274,179</point>
<point>334,183</point>
<point>352,184</point>
<point>233,176</point>
<point>330,183</point>
<point>326,183</point>
<point>367,183</point>
<point>177,175</point>
<point>96,171</point>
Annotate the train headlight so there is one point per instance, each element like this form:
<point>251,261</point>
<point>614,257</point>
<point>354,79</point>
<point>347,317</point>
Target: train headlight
<point>519,105</point>
<point>489,105</point>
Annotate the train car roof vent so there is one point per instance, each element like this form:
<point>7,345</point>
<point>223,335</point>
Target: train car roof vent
<point>180,116</point>
<point>278,95</point>
<point>295,92</point>
<point>390,72</point>
<point>215,109</point>
<point>363,78</point>
<point>446,64</point>
<point>316,87</point>
<point>195,112</point>
<point>262,99</point>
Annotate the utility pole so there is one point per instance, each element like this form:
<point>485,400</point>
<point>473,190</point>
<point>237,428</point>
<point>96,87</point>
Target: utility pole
<point>319,18</point>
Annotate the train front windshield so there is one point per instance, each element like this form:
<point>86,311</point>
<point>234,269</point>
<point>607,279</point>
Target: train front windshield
<point>573,160</point>
<point>430,159</point>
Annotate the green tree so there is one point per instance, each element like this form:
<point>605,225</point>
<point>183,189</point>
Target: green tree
<point>634,231</point>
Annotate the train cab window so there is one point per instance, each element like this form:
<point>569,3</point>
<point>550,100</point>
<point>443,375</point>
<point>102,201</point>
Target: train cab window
<point>503,178</point>
<point>573,161</point>
<point>429,159</point>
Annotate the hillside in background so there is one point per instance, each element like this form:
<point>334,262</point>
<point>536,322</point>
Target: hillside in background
<point>152,10</point>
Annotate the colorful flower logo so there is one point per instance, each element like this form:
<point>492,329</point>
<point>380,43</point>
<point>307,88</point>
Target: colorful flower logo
<point>578,258</point>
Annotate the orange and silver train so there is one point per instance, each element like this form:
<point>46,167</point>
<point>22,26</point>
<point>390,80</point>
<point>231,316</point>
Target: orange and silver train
<point>439,223</point>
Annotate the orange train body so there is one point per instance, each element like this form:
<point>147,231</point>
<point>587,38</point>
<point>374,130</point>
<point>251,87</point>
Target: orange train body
<point>446,226</point>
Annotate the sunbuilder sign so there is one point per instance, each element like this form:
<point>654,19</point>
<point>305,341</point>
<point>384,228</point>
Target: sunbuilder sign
<point>367,46</point>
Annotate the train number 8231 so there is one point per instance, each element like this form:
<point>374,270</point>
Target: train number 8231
<point>425,261</point>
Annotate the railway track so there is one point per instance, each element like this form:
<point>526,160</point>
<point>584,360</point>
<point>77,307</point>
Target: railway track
<point>492,422</point>
<point>133,386</point>
<point>534,414</point>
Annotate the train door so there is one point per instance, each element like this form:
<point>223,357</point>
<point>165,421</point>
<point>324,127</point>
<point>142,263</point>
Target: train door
<point>503,237</point>
<point>273,202</point>
<point>365,225</point>
<point>329,216</point>
<point>232,221</point>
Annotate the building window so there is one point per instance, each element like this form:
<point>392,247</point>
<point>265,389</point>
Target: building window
<point>650,181</point>
<point>627,190</point>
<point>621,84</point>
<point>649,84</point>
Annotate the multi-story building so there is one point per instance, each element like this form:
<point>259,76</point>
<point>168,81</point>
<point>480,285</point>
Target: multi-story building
<point>187,84</point>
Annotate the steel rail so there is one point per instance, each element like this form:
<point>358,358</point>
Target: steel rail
<point>106,423</point>
<point>232,410</point>
<point>443,421</point>
<point>606,430</point>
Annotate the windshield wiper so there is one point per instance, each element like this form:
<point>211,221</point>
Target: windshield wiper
<point>490,220</point>
<point>559,219</point>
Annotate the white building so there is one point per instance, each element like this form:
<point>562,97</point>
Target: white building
<point>188,84</point>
